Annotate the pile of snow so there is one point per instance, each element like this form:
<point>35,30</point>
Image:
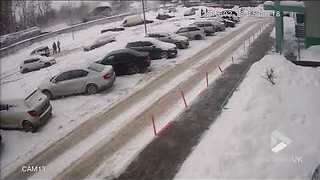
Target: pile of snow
<point>311,54</point>
<point>240,143</point>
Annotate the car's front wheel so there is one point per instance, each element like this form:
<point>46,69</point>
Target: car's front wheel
<point>91,89</point>
<point>28,126</point>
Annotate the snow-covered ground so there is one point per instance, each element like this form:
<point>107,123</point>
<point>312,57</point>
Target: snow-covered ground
<point>238,145</point>
<point>70,112</point>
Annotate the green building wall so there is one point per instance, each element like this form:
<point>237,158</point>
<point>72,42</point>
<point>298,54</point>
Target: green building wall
<point>312,23</point>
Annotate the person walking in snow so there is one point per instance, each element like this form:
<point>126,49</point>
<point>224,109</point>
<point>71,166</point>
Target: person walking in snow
<point>58,45</point>
<point>54,47</point>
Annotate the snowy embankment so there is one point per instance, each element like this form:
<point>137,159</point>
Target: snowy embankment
<point>240,144</point>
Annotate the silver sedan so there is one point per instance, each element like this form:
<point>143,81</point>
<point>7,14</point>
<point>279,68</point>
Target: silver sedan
<point>26,113</point>
<point>35,63</point>
<point>87,80</point>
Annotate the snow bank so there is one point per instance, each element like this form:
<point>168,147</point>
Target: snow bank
<point>311,54</point>
<point>238,144</point>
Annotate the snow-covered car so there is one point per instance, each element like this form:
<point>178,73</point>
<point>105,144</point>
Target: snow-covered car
<point>35,63</point>
<point>100,41</point>
<point>181,42</point>
<point>126,61</point>
<point>190,12</point>
<point>114,29</point>
<point>25,113</point>
<point>42,51</point>
<point>207,26</point>
<point>134,20</point>
<point>164,16</point>
<point>76,81</point>
<point>191,32</point>
<point>156,49</point>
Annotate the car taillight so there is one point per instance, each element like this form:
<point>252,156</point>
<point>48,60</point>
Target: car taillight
<point>107,76</point>
<point>33,113</point>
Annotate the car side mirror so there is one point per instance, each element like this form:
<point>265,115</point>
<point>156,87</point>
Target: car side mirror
<point>153,46</point>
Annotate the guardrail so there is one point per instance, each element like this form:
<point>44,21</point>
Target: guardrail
<point>17,46</point>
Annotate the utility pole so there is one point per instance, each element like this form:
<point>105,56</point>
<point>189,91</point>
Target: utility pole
<point>70,10</point>
<point>144,18</point>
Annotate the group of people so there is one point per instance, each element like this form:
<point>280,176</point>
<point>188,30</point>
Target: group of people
<point>56,47</point>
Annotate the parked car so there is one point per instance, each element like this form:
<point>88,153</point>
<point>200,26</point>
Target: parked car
<point>42,51</point>
<point>192,32</point>
<point>229,23</point>
<point>181,42</point>
<point>76,81</point>
<point>100,41</point>
<point>163,16</point>
<point>35,63</point>
<point>217,22</point>
<point>156,49</point>
<point>190,12</point>
<point>230,18</point>
<point>26,113</point>
<point>206,26</point>
<point>134,20</point>
<point>114,29</point>
<point>126,61</point>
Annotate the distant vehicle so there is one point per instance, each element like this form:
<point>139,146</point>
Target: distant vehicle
<point>156,49</point>
<point>100,41</point>
<point>190,12</point>
<point>87,80</point>
<point>207,26</point>
<point>229,23</point>
<point>192,32</point>
<point>42,51</point>
<point>134,20</point>
<point>27,114</point>
<point>231,18</point>
<point>181,42</point>
<point>98,13</point>
<point>172,10</point>
<point>35,63</point>
<point>163,16</point>
<point>219,25</point>
<point>114,29</point>
<point>126,61</point>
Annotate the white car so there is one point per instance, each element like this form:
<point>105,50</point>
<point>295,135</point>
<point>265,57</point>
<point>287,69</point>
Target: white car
<point>27,113</point>
<point>75,81</point>
<point>35,63</point>
<point>192,32</point>
<point>100,41</point>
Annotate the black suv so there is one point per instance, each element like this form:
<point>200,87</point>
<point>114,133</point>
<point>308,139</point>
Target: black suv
<point>126,61</point>
<point>155,48</point>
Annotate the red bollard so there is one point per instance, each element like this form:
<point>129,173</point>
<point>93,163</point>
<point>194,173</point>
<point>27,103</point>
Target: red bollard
<point>184,99</point>
<point>207,79</point>
<point>154,126</point>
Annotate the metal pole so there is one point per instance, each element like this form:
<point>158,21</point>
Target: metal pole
<point>144,18</point>
<point>71,19</point>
